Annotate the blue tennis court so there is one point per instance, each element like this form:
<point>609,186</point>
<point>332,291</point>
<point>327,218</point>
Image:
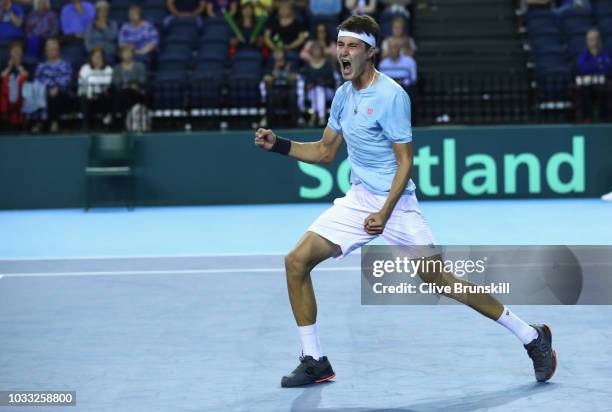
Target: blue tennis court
<point>183,309</point>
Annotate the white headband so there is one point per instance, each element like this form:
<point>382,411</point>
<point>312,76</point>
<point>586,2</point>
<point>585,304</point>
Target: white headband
<point>365,37</point>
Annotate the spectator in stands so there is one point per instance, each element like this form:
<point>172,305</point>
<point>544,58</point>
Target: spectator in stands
<point>75,17</point>
<point>41,24</point>
<point>216,7</point>
<point>593,60</point>
<point>399,36</point>
<point>140,34</point>
<point>56,75</point>
<point>129,79</point>
<point>400,7</point>
<point>185,10</point>
<point>95,78</point>
<point>102,32</point>
<point>281,71</point>
<point>592,89</point>
<point>284,32</point>
<point>11,97</point>
<point>279,89</point>
<point>400,67</point>
<point>361,6</point>
<point>319,79</point>
<point>322,38</point>
<point>11,21</point>
<point>325,7</point>
<point>247,25</point>
<point>262,7</point>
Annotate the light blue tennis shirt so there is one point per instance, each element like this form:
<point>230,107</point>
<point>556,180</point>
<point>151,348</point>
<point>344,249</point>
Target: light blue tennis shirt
<point>370,121</point>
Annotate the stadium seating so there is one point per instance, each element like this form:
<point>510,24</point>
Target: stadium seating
<point>194,67</point>
<point>546,41</point>
<point>216,26</point>
<point>57,4</point>
<point>169,90</point>
<point>245,75</point>
<point>154,15</point>
<point>214,52</point>
<point>118,14</point>
<point>175,56</point>
<point>575,44</point>
<point>602,8</point>
<point>4,52</point>
<point>550,58</point>
<point>576,21</point>
<point>181,34</point>
<point>156,4</point>
<point>74,53</point>
<point>605,25</point>
<point>127,3</point>
<point>553,83</point>
<point>206,83</point>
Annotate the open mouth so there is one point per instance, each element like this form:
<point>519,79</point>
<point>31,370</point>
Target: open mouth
<point>346,67</point>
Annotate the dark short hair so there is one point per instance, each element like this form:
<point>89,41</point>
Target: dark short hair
<point>361,24</point>
<point>95,50</point>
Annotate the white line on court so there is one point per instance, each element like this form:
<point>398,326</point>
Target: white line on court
<point>119,257</point>
<point>172,272</point>
<point>490,248</point>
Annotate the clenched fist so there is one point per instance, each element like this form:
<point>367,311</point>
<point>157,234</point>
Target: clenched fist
<point>375,223</point>
<point>265,138</point>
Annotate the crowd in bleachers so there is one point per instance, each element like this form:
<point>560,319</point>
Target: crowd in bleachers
<point>571,42</point>
<point>98,61</point>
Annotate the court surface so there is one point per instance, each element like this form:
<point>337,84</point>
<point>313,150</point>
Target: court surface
<point>186,309</point>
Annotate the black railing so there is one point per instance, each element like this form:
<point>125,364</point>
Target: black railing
<point>213,102</point>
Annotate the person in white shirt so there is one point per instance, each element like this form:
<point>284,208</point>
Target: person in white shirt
<point>400,67</point>
<point>95,78</point>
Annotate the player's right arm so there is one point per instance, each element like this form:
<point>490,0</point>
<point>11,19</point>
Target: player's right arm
<point>322,151</point>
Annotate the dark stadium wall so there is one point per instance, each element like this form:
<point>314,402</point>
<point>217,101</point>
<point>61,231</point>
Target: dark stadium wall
<point>225,168</point>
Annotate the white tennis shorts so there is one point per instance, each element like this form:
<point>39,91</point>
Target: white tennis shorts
<point>342,224</point>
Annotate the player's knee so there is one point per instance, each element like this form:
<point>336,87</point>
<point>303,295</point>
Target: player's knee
<point>296,264</point>
<point>433,277</point>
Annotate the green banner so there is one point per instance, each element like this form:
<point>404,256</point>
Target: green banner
<point>460,166</point>
<point>226,168</point>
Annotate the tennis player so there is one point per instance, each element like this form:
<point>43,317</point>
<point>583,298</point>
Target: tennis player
<point>371,112</point>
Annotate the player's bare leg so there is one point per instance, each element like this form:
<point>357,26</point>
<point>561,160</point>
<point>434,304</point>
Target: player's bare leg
<point>483,303</point>
<point>537,339</point>
<point>311,250</point>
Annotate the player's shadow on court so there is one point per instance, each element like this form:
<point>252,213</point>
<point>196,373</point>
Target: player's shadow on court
<point>310,398</point>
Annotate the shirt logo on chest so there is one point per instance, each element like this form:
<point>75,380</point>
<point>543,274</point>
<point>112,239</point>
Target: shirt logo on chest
<point>370,111</point>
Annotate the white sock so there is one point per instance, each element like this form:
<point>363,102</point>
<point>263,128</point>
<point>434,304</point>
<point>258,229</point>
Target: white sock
<point>514,324</point>
<point>309,335</point>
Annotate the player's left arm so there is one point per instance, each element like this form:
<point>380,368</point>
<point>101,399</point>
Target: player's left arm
<point>375,223</point>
